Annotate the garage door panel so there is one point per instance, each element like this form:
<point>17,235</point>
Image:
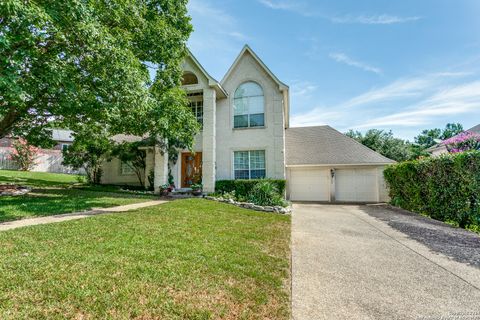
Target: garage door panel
<point>356,185</point>
<point>309,184</point>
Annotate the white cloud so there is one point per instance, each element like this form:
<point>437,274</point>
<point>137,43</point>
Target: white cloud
<point>373,19</point>
<point>400,89</point>
<point>288,5</point>
<point>278,5</point>
<point>199,9</point>
<point>238,36</point>
<point>216,32</point>
<point>302,89</point>
<point>405,103</point>
<point>343,58</point>
<point>302,8</point>
<point>316,117</point>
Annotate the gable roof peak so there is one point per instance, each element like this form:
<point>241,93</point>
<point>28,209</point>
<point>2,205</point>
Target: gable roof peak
<point>211,81</point>
<point>247,49</point>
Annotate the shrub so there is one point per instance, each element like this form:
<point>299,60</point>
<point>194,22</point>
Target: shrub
<point>24,155</point>
<point>446,188</point>
<point>243,188</point>
<point>465,141</point>
<point>265,193</point>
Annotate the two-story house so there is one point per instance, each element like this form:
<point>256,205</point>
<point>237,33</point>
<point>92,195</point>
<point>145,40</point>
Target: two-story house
<point>246,135</point>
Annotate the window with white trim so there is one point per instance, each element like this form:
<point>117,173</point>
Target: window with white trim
<point>197,109</point>
<point>249,106</point>
<point>126,168</point>
<point>249,164</point>
<point>196,104</point>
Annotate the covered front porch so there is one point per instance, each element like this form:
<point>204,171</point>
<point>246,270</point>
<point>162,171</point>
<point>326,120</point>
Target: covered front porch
<point>188,169</point>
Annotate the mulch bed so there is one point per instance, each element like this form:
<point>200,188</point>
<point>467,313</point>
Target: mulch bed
<point>13,190</point>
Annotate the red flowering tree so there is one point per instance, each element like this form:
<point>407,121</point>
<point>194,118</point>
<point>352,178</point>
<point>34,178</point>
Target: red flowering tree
<point>465,141</point>
<point>24,154</point>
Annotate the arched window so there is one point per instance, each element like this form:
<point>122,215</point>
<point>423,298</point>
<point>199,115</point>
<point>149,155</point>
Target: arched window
<point>249,106</point>
<point>189,78</point>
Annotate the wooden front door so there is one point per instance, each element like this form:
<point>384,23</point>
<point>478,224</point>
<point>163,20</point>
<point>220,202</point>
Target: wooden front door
<point>191,169</point>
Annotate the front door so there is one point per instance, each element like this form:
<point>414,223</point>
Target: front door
<point>191,169</point>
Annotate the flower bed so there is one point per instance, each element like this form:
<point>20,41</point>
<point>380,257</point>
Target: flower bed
<point>252,206</point>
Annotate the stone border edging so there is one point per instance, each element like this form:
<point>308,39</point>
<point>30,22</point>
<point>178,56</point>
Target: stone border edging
<point>252,206</point>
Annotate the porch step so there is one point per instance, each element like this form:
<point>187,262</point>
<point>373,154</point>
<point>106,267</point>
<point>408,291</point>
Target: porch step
<point>183,193</point>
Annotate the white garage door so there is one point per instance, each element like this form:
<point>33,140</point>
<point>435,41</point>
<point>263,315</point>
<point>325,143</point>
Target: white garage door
<point>356,185</point>
<point>309,184</point>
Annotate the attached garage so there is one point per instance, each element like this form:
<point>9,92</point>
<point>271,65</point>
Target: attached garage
<point>356,185</point>
<point>310,184</point>
<point>324,165</point>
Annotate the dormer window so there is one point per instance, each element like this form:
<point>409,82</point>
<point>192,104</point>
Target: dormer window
<point>249,106</point>
<point>189,78</point>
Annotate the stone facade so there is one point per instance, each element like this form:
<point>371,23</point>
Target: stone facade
<point>218,139</point>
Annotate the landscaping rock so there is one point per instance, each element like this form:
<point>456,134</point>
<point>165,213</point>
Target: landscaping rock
<point>13,190</point>
<point>251,206</point>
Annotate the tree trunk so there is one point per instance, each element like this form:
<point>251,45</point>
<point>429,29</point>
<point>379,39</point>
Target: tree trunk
<point>8,121</point>
<point>139,174</point>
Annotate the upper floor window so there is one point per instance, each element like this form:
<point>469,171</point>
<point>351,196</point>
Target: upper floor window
<point>249,106</point>
<point>196,104</point>
<point>189,78</point>
<point>197,109</point>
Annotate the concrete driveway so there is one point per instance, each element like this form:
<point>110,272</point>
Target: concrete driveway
<point>371,262</point>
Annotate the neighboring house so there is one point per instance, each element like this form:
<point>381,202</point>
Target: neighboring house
<point>246,134</point>
<point>440,148</point>
<point>48,160</point>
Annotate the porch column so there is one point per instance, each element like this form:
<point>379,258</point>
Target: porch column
<point>161,169</point>
<point>209,140</point>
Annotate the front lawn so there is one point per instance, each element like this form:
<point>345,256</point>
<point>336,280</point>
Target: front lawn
<point>37,179</point>
<point>58,193</point>
<point>47,202</point>
<point>189,259</point>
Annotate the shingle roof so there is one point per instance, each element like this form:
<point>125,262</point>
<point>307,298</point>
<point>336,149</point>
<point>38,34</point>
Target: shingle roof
<point>121,138</point>
<point>62,135</point>
<point>475,129</point>
<point>324,145</point>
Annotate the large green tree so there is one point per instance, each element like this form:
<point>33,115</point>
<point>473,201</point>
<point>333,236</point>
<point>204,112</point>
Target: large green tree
<point>89,151</point>
<point>430,137</point>
<point>81,63</point>
<point>384,143</point>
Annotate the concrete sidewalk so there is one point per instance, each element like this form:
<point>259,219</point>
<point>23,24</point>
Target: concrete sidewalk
<point>347,264</point>
<point>75,216</point>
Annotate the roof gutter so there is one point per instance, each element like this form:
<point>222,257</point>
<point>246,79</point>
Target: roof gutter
<point>340,165</point>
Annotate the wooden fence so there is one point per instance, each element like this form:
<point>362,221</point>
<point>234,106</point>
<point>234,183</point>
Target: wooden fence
<point>46,161</point>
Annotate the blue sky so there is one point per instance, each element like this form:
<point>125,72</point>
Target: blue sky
<point>400,65</point>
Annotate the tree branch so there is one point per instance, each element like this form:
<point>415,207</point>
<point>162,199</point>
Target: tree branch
<point>8,121</point>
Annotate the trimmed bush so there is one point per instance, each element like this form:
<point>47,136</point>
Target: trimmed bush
<point>265,193</point>
<point>446,188</point>
<point>243,188</point>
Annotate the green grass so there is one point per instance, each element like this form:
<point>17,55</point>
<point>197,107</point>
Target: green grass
<point>56,194</point>
<point>37,179</point>
<point>189,259</point>
<point>49,202</point>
